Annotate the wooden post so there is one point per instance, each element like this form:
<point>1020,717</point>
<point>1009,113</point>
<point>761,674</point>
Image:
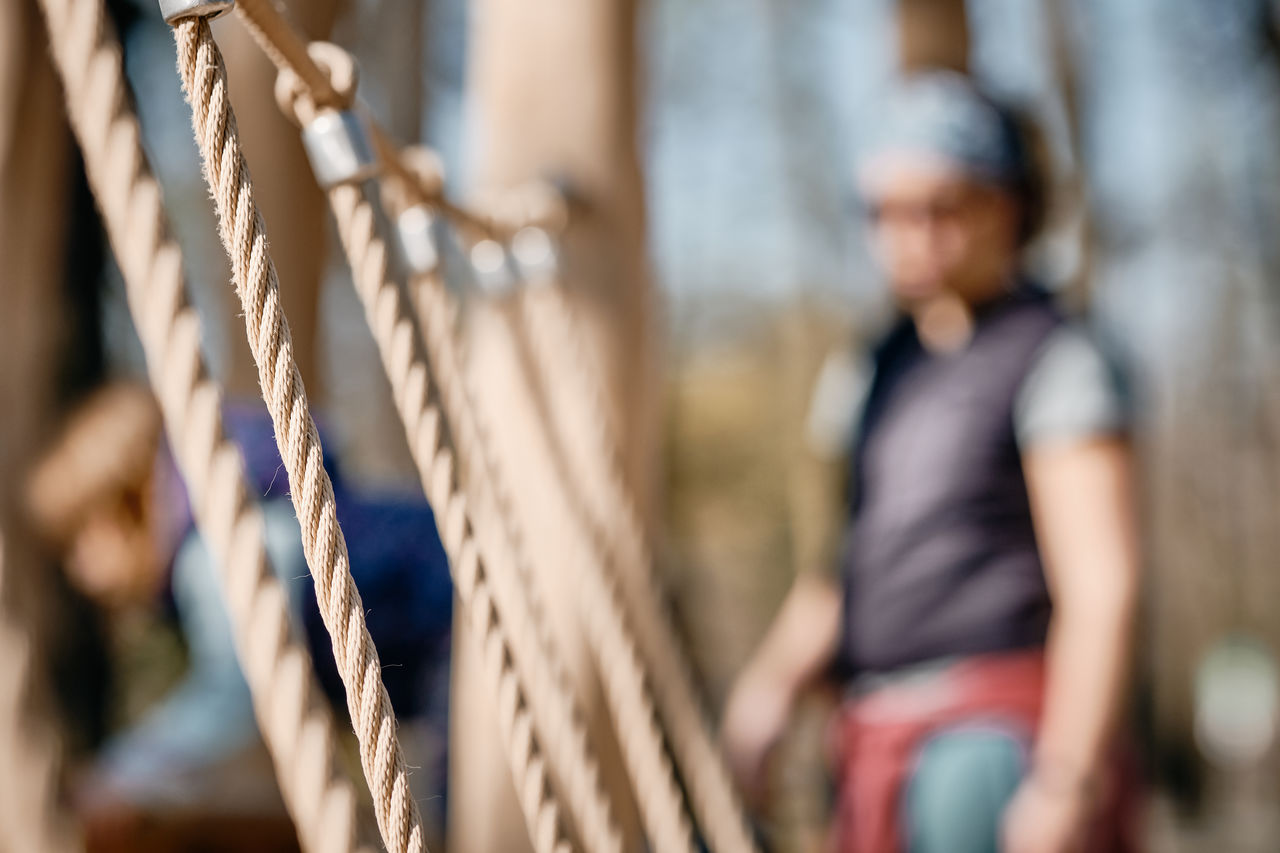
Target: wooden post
<point>933,34</point>
<point>34,193</point>
<point>554,96</point>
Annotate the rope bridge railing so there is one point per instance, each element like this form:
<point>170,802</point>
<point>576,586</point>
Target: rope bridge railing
<point>292,713</point>
<point>609,639</point>
<point>647,681</point>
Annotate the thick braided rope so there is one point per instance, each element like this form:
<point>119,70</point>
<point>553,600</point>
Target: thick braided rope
<point>605,503</point>
<point>622,675</point>
<point>611,521</point>
<point>630,702</point>
<point>31,816</point>
<point>293,716</point>
<point>625,679</point>
<point>204,81</point>
<point>503,620</point>
<point>487,582</point>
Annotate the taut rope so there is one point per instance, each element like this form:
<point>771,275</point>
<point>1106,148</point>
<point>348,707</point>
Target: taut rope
<point>293,716</point>
<point>395,329</point>
<point>576,416</point>
<point>493,602</point>
<point>610,642</point>
<point>204,81</point>
<point>618,659</point>
<point>421,391</point>
<point>608,511</point>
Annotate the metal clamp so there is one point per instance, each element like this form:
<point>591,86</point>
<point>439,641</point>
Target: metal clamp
<point>338,148</point>
<point>492,268</point>
<point>416,229</point>
<point>534,252</point>
<point>178,10</point>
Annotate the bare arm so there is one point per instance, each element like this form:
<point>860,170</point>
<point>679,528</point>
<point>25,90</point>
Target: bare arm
<point>802,640</point>
<point>797,649</point>
<point>1082,502</point>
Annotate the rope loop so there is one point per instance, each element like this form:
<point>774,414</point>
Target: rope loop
<point>296,99</point>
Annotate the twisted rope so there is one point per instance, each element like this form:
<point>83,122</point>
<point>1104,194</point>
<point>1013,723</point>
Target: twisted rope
<point>625,690</point>
<point>613,650</point>
<point>421,389</point>
<point>619,660</point>
<point>609,515</point>
<point>605,503</point>
<point>31,817</point>
<point>507,620</point>
<point>204,81</point>
<point>294,718</point>
<point>622,673</point>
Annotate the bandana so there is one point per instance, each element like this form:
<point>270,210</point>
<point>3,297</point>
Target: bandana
<point>941,116</point>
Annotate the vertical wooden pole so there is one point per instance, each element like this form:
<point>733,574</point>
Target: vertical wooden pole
<point>933,34</point>
<point>34,196</point>
<point>554,96</point>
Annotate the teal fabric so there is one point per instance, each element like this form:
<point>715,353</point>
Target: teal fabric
<point>958,791</point>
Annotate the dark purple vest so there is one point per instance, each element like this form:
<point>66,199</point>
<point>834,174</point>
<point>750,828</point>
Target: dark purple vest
<point>941,555</point>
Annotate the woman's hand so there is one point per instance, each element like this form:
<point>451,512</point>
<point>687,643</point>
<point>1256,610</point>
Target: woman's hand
<point>797,648</point>
<point>1046,819</point>
<point>755,718</point>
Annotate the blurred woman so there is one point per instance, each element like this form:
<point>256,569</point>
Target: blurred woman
<point>982,615</point>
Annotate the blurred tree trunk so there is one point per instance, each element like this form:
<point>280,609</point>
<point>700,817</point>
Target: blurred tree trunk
<point>1070,211</point>
<point>34,202</point>
<point>554,94</point>
<point>933,34</point>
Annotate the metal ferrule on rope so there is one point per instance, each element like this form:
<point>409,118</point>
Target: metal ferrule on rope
<point>491,266</point>
<point>535,254</point>
<point>335,137</point>
<point>339,149</point>
<point>178,10</point>
<point>415,232</point>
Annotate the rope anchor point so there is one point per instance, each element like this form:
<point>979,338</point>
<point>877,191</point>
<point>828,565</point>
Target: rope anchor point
<point>338,148</point>
<point>175,11</point>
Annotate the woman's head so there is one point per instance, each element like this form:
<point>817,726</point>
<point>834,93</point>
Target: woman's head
<point>951,189</point>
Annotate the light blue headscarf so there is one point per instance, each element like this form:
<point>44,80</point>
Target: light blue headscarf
<point>942,115</point>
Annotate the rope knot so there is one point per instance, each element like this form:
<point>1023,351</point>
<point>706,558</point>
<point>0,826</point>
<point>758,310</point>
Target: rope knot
<point>302,100</point>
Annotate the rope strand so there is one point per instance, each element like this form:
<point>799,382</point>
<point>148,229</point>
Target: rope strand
<point>421,389</point>
<point>292,714</point>
<point>204,81</point>
<point>626,690</point>
<point>714,799</point>
<point>610,642</point>
<point>604,502</point>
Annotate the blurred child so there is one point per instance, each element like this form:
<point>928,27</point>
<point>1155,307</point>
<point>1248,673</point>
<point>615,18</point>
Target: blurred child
<point>92,496</point>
